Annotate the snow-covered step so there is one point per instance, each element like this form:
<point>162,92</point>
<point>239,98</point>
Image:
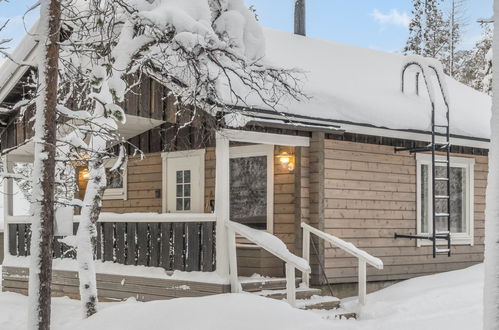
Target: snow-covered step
<point>301,293</point>
<point>319,302</point>
<point>251,284</point>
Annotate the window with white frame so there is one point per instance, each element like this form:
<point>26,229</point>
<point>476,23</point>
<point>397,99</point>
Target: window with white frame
<point>116,181</point>
<point>461,197</point>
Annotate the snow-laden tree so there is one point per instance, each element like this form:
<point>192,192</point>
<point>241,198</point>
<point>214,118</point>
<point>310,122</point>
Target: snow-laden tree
<point>491,286</point>
<point>209,53</point>
<point>473,67</point>
<point>414,43</point>
<point>436,31</point>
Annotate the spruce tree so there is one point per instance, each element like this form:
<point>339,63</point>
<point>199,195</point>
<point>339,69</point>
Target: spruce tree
<point>414,44</point>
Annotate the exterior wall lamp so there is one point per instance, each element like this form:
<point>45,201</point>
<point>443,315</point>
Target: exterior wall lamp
<point>286,160</point>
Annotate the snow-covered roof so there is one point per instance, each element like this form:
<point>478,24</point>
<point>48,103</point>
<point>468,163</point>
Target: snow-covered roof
<point>346,84</point>
<point>363,86</point>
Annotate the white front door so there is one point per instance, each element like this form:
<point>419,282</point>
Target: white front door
<point>184,181</point>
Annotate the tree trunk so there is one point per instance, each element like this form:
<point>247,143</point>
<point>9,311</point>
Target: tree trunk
<point>491,286</point>
<point>87,231</point>
<point>40,273</point>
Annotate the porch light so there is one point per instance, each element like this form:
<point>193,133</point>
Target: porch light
<point>286,160</point>
<point>83,177</point>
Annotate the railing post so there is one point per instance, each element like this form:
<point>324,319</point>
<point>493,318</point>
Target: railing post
<point>306,255</point>
<point>290,284</point>
<point>231,243</point>
<point>222,201</point>
<point>362,282</point>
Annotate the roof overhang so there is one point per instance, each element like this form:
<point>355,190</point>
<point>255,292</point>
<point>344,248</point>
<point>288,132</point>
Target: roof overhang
<point>134,126</point>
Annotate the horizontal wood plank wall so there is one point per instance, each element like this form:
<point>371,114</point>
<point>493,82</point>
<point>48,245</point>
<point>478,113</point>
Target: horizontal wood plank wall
<point>369,194</point>
<point>114,287</point>
<point>143,188</point>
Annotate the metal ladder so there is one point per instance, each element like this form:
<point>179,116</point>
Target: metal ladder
<point>441,130</point>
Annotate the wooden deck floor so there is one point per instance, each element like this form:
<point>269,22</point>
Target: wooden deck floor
<point>114,287</point>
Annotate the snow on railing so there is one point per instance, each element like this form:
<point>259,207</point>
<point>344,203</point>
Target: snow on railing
<point>271,244</point>
<point>362,256</point>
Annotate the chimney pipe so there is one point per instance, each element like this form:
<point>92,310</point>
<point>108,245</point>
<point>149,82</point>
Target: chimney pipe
<point>300,17</point>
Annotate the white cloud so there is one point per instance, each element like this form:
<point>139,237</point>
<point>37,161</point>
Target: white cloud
<point>393,17</point>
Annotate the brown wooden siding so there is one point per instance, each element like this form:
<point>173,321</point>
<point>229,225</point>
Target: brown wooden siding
<point>144,187</point>
<point>369,194</point>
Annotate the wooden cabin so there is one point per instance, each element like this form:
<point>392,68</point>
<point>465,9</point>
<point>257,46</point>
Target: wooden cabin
<point>328,161</point>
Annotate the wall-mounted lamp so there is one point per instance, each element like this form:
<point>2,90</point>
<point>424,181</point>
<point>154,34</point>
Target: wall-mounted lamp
<point>286,160</point>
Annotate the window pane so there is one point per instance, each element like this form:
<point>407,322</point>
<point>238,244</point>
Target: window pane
<point>457,199</point>
<point>179,177</point>
<point>187,176</point>
<point>424,199</point>
<point>248,191</point>
<point>179,204</point>
<point>114,179</point>
<point>187,204</point>
<point>179,190</point>
<point>187,190</point>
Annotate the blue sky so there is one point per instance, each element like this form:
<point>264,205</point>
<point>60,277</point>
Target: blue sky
<point>379,24</point>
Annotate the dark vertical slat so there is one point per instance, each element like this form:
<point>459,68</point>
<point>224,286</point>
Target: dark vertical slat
<point>207,246</point>
<point>193,247</point>
<point>98,244</point>
<point>131,246</point>
<point>108,241</point>
<point>21,240</point>
<point>142,242</point>
<point>57,252</point>
<point>13,239</point>
<point>28,239</point>
<point>154,239</point>
<point>120,241</point>
<point>178,246</point>
<point>165,245</point>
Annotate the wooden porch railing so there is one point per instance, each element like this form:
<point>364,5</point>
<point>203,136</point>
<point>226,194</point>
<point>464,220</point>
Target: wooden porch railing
<point>362,256</point>
<point>273,245</point>
<point>172,241</point>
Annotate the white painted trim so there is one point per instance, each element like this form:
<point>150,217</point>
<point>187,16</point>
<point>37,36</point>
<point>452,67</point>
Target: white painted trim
<point>255,151</point>
<point>198,191</point>
<point>468,163</point>
<point>397,134</point>
<point>222,200</point>
<point>265,138</point>
<point>133,217</point>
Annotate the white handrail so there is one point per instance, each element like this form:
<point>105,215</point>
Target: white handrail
<point>273,245</point>
<point>133,217</point>
<point>362,256</point>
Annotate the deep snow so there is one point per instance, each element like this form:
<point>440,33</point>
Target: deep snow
<point>450,300</point>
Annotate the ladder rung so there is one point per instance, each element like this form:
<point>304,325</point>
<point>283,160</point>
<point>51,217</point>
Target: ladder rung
<point>441,197</point>
<point>441,161</point>
<point>441,179</point>
<point>441,214</point>
<point>445,232</point>
<point>441,126</point>
<point>442,250</point>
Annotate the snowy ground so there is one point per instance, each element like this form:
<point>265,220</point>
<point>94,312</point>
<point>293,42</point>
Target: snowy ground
<point>451,300</point>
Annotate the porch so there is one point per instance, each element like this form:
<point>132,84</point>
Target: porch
<point>160,255</point>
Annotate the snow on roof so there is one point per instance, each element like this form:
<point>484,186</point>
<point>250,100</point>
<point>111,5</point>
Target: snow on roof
<point>345,84</point>
<point>363,86</point>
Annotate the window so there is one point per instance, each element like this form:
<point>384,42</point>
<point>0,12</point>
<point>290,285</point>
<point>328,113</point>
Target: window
<point>183,201</point>
<point>116,181</point>
<point>461,198</point>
